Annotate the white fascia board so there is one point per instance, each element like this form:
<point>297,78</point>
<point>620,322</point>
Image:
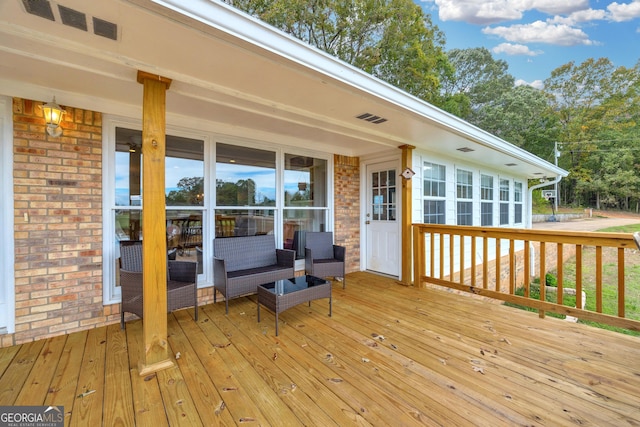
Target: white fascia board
<point>238,24</point>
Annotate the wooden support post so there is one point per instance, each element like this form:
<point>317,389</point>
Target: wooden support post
<point>154,242</point>
<point>406,196</point>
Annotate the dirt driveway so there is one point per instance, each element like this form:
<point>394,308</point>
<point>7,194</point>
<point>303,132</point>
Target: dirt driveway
<point>599,221</point>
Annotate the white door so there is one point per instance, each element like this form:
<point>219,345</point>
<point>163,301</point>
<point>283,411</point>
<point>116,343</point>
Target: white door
<point>382,219</point>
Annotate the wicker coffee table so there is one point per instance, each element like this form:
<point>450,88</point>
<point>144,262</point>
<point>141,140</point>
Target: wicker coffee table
<point>284,294</point>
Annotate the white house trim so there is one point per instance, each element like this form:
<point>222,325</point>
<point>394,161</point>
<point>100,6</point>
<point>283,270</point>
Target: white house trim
<point>7,259</point>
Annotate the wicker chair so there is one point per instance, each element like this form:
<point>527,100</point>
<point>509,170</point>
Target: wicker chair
<point>322,258</point>
<point>182,290</point>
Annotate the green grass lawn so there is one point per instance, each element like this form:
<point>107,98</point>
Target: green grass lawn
<point>609,279</point>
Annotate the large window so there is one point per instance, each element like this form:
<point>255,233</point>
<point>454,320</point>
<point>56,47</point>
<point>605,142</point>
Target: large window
<point>464,197</point>
<point>246,194</point>
<point>486,197</point>
<point>434,179</point>
<point>220,189</point>
<point>517,198</point>
<point>184,190</point>
<point>504,201</point>
<point>245,191</point>
<point>305,199</point>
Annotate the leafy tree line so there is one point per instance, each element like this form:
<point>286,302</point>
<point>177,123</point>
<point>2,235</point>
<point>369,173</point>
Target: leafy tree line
<point>590,109</point>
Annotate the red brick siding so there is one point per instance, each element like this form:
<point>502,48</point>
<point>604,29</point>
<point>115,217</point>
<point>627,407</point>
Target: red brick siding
<point>347,208</point>
<point>58,224</point>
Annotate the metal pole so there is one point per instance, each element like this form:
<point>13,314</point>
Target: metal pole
<point>556,154</point>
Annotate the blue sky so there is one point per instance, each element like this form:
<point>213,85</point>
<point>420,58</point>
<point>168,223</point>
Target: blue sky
<point>537,36</point>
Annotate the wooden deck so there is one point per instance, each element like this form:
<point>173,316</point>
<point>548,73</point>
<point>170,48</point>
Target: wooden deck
<point>390,355</point>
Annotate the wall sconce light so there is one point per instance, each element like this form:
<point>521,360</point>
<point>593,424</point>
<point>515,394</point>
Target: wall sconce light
<point>53,116</point>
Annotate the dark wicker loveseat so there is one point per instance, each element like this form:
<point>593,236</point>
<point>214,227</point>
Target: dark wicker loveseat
<point>240,264</point>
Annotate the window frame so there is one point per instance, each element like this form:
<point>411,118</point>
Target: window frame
<point>518,201</point>
<point>439,200</point>
<point>505,201</point>
<point>7,252</point>
<point>111,293</point>
<point>487,201</point>
<point>464,203</point>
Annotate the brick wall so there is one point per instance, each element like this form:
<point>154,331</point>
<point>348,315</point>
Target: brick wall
<point>347,208</point>
<point>58,224</point>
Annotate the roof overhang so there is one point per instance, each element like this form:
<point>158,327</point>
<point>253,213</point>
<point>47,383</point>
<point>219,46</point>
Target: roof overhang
<point>231,71</point>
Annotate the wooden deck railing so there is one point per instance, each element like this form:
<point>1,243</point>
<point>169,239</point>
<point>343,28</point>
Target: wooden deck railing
<point>500,263</point>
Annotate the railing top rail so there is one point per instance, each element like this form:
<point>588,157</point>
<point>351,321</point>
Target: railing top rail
<point>586,238</point>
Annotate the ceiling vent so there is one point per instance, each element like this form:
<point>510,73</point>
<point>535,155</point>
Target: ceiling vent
<point>372,118</point>
<point>465,149</point>
<point>39,8</point>
<point>511,164</point>
<point>105,28</point>
<point>72,18</point>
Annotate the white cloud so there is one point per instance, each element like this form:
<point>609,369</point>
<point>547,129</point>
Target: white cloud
<point>557,7</point>
<point>538,84</point>
<point>515,49</point>
<point>485,12</point>
<point>623,12</point>
<point>578,17</point>
<point>476,12</point>
<point>541,32</point>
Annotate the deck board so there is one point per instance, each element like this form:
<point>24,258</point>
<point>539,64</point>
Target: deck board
<point>88,404</point>
<point>37,383</point>
<point>13,380</point>
<point>445,359</point>
<point>118,397</point>
<point>148,406</point>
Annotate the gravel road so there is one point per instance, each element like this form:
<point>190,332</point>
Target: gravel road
<point>587,224</point>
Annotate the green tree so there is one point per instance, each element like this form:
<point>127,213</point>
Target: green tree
<point>478,77</point>
<point>522,116</point>
<point>597,106</point>
<point>391,39</point>
<point>190,192</point>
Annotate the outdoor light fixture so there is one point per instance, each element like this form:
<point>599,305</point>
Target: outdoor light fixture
<point>53,116</point>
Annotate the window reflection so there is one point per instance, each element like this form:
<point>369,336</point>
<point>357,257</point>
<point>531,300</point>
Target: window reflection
<point>244,222</point>
<point>184,233</point>
<point>305,181</point>
<point>184,169</point>
<point>245,176</point>
<point>184,188</point>
<point>299,221</point>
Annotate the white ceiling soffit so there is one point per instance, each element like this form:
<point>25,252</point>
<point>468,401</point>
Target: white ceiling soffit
<point>230,72</point>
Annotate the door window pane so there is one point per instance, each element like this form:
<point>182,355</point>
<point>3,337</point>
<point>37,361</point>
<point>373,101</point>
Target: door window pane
<point>383,195</point>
